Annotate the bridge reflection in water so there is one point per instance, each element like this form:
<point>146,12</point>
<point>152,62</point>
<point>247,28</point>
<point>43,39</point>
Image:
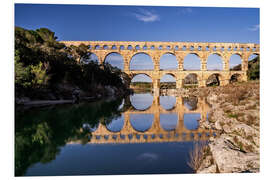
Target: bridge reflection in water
<point>148,124</point>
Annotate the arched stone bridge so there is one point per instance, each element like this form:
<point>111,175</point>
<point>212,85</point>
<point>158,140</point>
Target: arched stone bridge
<point>180,49</point>
<point>156,133</point>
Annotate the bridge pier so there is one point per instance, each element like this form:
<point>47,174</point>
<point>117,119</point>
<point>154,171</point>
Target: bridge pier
<point>156,86</point>
<point>179,82</point>
<point>224,82</point>
<point>202,83</point>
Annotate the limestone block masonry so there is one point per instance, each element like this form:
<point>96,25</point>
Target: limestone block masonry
<point>180,49</point>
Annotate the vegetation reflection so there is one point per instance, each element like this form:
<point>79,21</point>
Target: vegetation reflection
<point>40,134</point>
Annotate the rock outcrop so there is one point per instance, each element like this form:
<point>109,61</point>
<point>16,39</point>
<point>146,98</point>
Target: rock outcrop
<point>237,148</point>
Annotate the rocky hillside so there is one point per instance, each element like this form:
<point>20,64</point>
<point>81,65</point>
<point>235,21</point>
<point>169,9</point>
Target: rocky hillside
<point>235,113</point>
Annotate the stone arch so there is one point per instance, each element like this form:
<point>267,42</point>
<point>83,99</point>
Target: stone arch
<point>137,47</point>
<point>251,56</point>
<point>122,47</point>
<point>92,57</point>
<point>215,61</point>
<point>141,81</point>
<point>129,47</point>
<point>214,79</point>
<point>168,81</point>
<point>145,47</point>
<point>168,61</point>
<point>115,59</point>
<point>140,57</point>
<point>114,47</point>
<point>145,73</point>
<point>192,61</point>
<point>97,47</point>
<point>236,77</point>
<point>235,62</point>
<point>237,53</point>
<point>105,47</point>
<point>191,80</point>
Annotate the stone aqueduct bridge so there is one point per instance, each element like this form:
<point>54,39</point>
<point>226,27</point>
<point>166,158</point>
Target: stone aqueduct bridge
<point>156,133</point>
<point>180,49</point>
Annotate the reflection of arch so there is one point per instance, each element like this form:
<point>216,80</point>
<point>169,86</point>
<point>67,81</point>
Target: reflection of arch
<point>235,78</point>
<point>146,121</point>
<point>191,121</point>
<point>190,103</point>
<point>196,62</point>
<point>191,79</point>
<point>115,61</point>
<point>116,125</point>
<point>217,60</point>
<point>89,127</point>
<point>141,102</point>
<point>168,122</point>
<point>168,59</point>
<point>146,56</point>
<point>167,102</point>
<point>214,80</point>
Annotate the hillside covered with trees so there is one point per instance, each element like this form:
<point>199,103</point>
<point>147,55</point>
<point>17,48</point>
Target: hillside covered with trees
<point>253,68</point>
<point>47,69</point>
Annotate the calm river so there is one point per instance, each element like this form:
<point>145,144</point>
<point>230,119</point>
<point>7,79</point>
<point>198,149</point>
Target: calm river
<point>141,134</point>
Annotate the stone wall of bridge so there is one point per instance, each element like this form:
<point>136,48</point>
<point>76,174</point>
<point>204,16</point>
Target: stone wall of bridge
<point>128,49</point>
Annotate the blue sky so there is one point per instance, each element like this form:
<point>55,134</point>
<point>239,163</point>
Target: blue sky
<point>144,23</point>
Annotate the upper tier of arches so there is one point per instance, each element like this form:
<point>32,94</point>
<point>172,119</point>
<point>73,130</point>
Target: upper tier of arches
<point>175,46</point>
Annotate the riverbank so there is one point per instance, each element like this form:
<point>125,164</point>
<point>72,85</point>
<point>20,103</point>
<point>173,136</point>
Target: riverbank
<point>69,95</point>
<point>235,113</point>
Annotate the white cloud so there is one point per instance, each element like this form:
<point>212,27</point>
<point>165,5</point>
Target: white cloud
<point>254,27</point>
<point>148,156</point>
<point>146,16</point>
<point>186,10</point>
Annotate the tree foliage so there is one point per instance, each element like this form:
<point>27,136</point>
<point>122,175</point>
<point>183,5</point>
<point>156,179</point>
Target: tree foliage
<point>254,69</point>
<point>43,62</point>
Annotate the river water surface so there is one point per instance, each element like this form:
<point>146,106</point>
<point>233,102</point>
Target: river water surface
<point>141,134</point>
